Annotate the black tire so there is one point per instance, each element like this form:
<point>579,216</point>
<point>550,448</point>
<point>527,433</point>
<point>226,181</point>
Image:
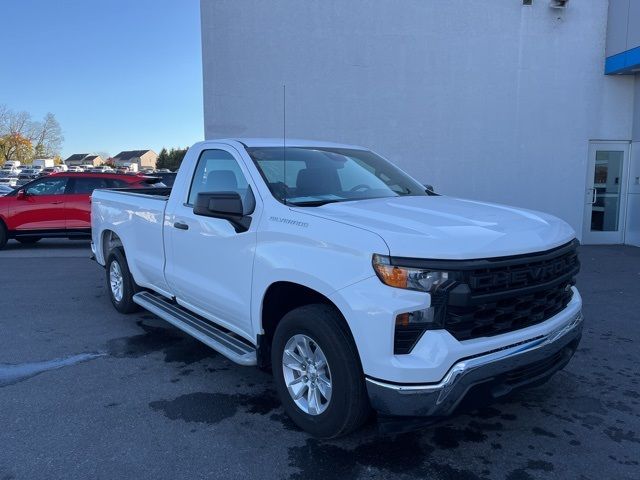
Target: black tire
<point>29,240</point>
<point>349,406</point>
<point>3,236</point>
<point>124,304</point>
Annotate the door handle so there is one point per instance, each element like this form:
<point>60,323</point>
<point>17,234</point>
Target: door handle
<point>593,195</point>
<point>181,226</point>
<point>57,203</point>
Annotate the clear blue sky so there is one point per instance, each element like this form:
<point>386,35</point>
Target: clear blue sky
<point>118,74</point>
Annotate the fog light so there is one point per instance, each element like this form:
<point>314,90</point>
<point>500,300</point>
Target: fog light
<point>419,316</point>
<point>409,328</point>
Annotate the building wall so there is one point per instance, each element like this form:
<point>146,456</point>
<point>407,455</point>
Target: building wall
<point>617,32</point>
<point>487,100</point>
<point>623,57</point>
<point>623,37</point>
<point>633,204</point>
<point>148,160</point>
<point>624,26</point>
<point>96,162</point>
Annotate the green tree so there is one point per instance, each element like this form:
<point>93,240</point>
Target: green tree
<point>176,155</point>
<point>171,159</point>
<point>163,159</point>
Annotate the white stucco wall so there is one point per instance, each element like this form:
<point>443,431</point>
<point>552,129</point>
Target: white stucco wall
<point>489,100</point>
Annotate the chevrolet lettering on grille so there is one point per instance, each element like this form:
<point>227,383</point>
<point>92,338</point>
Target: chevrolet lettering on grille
<point>526,275</point>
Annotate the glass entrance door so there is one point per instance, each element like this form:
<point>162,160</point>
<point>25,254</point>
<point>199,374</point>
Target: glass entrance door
<point>606,193</point>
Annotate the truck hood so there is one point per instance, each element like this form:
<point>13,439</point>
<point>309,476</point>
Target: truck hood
<point>442,227</point>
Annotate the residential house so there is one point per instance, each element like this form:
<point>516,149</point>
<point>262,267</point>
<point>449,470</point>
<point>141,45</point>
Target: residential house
<point>84,160</point>
<point>142,158</point>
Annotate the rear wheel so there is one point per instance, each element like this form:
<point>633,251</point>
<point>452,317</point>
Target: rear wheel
<point>3,236</point>
<point>120,283</point>
<point>28,240</point>
<point>317,372</point>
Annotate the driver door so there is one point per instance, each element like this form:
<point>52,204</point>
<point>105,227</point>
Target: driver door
<point>209,265</point>
<point>41,207</point>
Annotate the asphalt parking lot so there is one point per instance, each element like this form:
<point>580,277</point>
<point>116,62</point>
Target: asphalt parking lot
<point>88,393</point>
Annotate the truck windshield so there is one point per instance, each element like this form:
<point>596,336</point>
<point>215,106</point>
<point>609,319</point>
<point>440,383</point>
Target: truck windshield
<point>314,176</point>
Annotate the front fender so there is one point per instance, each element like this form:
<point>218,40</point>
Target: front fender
<point>314,252</point>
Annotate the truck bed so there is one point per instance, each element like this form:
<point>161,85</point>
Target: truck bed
<point>137,215</point>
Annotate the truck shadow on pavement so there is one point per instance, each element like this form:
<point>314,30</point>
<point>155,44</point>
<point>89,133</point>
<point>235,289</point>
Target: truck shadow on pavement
<point>176,346</point>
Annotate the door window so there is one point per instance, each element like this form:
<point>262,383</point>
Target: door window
<point>48,186</point>
<point>605,212</point>
<point>115,183</point>
<point>88,185</point>
<point>218,171</point>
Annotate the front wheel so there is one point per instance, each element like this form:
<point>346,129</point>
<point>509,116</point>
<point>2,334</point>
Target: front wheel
<point>317,372</point>
<point>120,283</point>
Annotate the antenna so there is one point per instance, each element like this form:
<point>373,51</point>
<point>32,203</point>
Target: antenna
<point>284,140</point>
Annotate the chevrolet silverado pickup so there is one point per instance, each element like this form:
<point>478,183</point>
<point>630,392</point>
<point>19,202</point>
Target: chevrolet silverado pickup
<point>356,286</point>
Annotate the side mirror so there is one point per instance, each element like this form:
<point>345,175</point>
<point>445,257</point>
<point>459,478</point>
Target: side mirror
<point>430,191</point>
<point>21,195</point>
<point>225,205</point>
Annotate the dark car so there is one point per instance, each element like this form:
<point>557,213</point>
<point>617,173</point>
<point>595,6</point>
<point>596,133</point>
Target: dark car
<point>166,177</point>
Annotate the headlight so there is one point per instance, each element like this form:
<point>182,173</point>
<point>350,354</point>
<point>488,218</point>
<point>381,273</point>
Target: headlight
<point>407,277</point>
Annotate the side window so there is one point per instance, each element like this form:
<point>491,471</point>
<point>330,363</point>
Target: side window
<point>218,171</point>
<point>114,183</point>
<point>88,185</point>
<point>48,186</point>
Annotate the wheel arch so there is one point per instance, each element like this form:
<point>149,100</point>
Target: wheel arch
<point>280,298</point>
<point>110,240</point>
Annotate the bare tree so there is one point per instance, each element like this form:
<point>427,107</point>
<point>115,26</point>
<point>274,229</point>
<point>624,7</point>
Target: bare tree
<point>22,137</point>
<point>4,119</point>
<point>46,136</point>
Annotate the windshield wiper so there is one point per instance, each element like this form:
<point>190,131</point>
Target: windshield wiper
<point>312,203</point>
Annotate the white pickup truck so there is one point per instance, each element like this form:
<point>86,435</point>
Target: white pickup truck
<point>354,284</point>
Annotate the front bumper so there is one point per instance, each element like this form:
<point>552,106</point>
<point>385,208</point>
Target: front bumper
<point>501,370</point>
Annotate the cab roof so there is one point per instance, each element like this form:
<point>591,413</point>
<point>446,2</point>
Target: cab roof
<point>278,142</point>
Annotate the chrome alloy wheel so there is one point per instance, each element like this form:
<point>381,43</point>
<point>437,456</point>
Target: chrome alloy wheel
<point>307,374</point>
<point>115,280</point>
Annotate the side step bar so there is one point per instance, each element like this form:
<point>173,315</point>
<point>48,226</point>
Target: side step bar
<point>208,333</point>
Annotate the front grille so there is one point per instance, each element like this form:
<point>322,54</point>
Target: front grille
<point>486,297</point>
<point>512,313</point>
<point>507,294</point>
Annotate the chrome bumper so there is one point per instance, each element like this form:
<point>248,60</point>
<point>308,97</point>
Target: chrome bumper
<point>501,371</point>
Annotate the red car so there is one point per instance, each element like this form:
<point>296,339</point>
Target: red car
<point>58,205</point>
